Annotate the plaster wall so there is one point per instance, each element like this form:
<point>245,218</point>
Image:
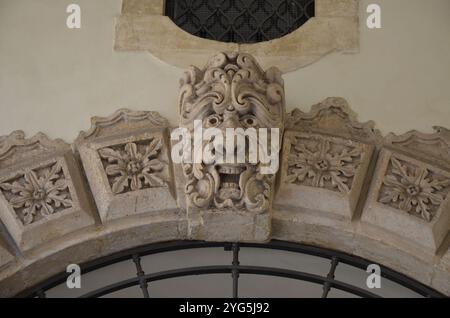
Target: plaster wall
<point>53,78</point>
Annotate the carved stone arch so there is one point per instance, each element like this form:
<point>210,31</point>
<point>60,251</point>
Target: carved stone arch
<point>341,185</point>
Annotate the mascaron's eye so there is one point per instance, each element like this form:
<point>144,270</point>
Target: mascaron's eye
<point>213,121</point>
<point>249,121</point>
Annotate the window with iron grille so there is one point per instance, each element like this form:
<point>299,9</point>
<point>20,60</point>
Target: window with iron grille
<point>193,269</point>
<point>240,21</point>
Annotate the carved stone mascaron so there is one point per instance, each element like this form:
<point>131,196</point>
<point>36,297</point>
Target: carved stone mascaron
<point>232,91</point>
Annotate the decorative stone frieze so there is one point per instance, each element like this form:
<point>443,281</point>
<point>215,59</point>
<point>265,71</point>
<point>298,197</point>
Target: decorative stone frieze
<point>231,92</point>
<point>409,197</point>
<point>127,163</point>
<point>326,154</point>
<point>340,185</point>
<point>144,27</point>
<point>43,196</point>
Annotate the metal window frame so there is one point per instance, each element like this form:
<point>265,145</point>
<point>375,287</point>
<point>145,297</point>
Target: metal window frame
<point>141,279</point>
<point>259,35</point>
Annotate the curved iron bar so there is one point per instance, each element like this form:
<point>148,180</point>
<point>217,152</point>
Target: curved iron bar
<point>327,282</point>
<point>354,261</point>
<point>225,269</point>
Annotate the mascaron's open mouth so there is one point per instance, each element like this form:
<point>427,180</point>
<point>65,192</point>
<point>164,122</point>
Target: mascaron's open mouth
<point>230,180</point>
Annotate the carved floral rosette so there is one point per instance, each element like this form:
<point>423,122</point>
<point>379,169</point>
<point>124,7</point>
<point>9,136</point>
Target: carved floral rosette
<point>41,188</point>
<point>409,194</point>
<point>326,158</point>
<point>126,157</point>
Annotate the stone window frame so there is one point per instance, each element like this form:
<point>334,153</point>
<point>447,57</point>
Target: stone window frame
<point>144,27</point>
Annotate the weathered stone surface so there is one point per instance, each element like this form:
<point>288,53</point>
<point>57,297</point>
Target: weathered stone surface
<point>409,198</point>
<point>143,7</point>
<point>333,117</point>
<point>43,196</point>
<point>445,260</point>
<point>441,278</point>
<point>309,227</point>
<point>433,148</point>
<point>441,282</point>
<point>229,226</point>
<point>143,27</point>
<point>6,257</point>
<point>127,163</point>
<point>337,8</point>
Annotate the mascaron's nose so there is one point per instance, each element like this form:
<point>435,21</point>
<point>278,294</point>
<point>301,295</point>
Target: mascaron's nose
<point>231,118</point>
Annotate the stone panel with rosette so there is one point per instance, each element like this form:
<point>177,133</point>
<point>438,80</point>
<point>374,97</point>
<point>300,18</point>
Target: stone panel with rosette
<point>325,160</point>
<point>315,167</point>
<point>126,159</point>
<point>409,199</point>
<point>43,195</point>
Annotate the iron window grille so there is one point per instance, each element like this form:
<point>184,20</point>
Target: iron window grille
<point>234,268</point>
<point>240,21</point>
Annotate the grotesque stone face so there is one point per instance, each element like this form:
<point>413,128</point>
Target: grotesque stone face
<point>232,91</point>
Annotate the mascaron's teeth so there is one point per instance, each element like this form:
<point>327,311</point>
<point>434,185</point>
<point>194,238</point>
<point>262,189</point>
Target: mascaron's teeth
<point>230,170</point>
<point>231,185</point>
